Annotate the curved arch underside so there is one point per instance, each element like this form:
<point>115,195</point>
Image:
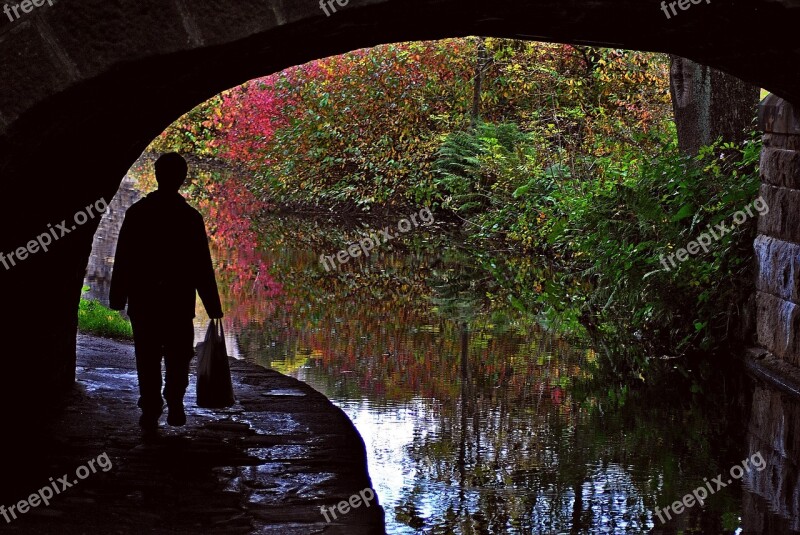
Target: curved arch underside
<point>88,83</point>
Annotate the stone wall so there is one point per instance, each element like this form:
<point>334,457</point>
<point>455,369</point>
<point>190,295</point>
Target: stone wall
<point>777,246</point>
<point>104,246</point>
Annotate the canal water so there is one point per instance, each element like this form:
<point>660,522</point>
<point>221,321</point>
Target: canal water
<point>480,416</point>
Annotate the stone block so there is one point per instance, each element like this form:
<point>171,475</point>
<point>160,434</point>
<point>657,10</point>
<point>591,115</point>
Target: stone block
<point>31,70</point>
<point>778,264</point>
<point>214,19</point>
<point>783,219</point>
<point>779,327</point>
<point>775,115</point>
<point>96,33</point>
<point>780,167</point>
<point>781,141</point>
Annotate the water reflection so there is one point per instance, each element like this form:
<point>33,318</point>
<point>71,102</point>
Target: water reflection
<point>476,420</point>
<point>774,430</point>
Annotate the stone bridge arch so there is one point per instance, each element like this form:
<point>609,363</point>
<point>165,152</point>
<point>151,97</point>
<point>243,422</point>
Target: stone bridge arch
<point>87,84</point>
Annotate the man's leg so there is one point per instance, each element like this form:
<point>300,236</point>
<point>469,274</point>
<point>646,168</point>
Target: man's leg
<point>148,345</point>
<point>178,353</point>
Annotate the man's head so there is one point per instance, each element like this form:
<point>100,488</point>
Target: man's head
<point>171,170</point>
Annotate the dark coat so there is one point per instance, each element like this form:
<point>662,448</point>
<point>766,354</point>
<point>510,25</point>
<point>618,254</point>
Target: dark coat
<point>162,258</point>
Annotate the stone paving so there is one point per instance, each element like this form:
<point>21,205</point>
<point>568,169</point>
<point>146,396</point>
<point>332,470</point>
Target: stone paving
<point>265,465</point>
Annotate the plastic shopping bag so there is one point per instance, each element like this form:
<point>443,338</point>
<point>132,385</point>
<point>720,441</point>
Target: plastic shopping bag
<point>214,385</point>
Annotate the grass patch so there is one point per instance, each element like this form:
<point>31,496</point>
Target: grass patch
<point>96,319</point>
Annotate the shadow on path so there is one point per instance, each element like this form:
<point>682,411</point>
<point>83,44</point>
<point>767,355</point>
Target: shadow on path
<point>265,465</point>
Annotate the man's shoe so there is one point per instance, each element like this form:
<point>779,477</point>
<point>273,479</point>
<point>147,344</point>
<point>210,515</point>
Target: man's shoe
<point>176,416</point>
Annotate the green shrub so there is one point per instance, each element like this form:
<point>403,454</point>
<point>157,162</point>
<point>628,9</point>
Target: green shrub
<point>96,319</point>
<point>601,229</point>
<point>620,235</point>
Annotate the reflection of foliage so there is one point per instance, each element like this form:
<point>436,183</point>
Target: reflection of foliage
<point>510,448</point>
<point>395,295</point>
<point>459,287</point>
<point>530,469</point>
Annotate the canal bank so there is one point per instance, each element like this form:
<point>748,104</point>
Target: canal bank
<point>266,465</point>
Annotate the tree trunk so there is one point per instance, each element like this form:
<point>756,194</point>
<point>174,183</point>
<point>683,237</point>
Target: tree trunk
<point>481,62</point>
<point>708,104</point>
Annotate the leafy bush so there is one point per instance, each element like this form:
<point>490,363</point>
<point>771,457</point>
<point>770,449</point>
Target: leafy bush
<point>96,319</point>
<point>360,131</point>
<point>624,228</point>
<point>602,235</point>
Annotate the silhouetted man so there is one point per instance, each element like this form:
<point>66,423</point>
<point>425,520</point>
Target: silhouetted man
<point>162,258</point>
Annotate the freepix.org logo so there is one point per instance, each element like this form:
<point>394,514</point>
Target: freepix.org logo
<point>715,233</point>
<point>699,495</point>
<point>45,239</point>
<point>683,5</point>
<point>15,11</point>
<point>327,6</point>
<point>365,245</point>
<point>55,487</point>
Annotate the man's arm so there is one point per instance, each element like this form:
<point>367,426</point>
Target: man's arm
<point>120,278</point>
<point>206,281</point>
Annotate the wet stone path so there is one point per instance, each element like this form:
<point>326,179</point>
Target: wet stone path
<point>266,465</point>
